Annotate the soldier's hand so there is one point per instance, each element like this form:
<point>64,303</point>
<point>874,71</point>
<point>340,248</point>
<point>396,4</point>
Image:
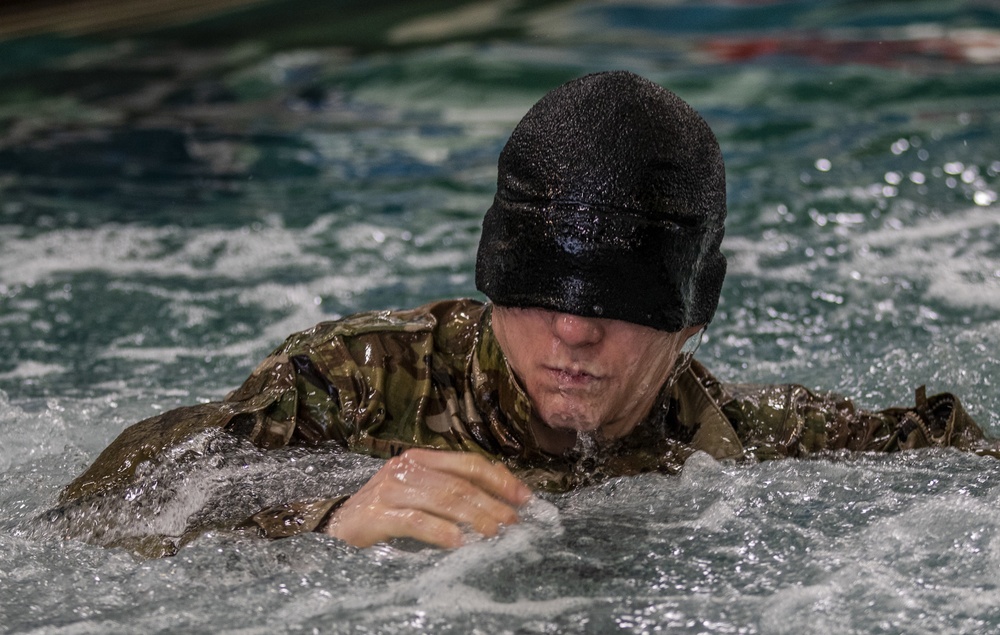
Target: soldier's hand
<point>427,495</point>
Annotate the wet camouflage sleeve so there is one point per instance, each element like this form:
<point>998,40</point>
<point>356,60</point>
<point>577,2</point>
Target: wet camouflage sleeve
<point>363,384</point>
<point>791,421</point>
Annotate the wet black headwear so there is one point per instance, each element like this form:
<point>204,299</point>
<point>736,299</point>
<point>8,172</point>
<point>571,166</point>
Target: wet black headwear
<point>611,199</point>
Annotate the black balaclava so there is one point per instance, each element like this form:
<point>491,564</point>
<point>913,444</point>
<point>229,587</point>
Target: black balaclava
<point>611,199</point>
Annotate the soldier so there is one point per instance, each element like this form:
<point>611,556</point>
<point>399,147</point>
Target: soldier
<point>601,259</point>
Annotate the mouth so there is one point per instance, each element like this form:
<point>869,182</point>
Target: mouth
<point>570,377</point>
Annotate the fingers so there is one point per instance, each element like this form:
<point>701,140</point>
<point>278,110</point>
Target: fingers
<point>491,477</point>
<point>422,526</point>
<point>428,495</point>
<point>448,496</point>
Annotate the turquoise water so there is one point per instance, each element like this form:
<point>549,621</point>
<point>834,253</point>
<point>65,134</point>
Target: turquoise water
<point>174,202</point>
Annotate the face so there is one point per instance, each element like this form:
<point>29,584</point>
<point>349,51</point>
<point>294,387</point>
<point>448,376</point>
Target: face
<point>587,374</point>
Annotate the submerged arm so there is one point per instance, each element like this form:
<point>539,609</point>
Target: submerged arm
<point>790,420</point>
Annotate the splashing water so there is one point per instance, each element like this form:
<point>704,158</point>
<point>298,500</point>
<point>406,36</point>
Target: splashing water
<point>174,202</point>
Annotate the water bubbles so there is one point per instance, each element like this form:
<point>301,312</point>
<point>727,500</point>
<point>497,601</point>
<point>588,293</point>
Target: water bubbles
<point>823,165</point>
<point>819,219</point>
<point>984,198</point>
<point>893,178</point>
<point>917,178</point>
<point>827,296</point>
<point>926,313</point>
<point>900,146</point>
<point>953,167</point>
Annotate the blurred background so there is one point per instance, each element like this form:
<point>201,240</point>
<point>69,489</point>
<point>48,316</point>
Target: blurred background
<point>183,184</point>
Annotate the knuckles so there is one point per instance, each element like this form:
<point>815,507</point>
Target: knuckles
<point>400,467</point>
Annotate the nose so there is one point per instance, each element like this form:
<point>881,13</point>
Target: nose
<point>577,331</point>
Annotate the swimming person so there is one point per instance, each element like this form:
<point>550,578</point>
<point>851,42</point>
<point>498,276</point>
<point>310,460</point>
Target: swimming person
<point>601,260</point>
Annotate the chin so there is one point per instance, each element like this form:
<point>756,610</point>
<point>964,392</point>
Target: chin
<point>571,420</point>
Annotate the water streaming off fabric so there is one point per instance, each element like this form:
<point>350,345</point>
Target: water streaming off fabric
<point>173,202</point>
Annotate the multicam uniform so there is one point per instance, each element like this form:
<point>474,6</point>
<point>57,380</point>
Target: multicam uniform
<point>434,377</point>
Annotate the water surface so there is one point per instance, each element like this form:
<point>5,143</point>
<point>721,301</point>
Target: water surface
<point>174,202</point>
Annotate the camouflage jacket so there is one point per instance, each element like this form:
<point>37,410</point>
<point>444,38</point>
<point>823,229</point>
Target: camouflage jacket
<point>434,377</point>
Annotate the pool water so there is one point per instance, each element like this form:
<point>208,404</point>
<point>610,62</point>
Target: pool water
<point>173,202</point>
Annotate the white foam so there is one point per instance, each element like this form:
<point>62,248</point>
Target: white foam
<point>960,270</point>
<point>953,258</point>
<point>135,257</point>
<point>29,369</point>
<point>440,587</point>
<point>122,250</point>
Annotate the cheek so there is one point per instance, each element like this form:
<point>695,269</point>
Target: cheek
<point>646,356</point>
<point>525,352</point>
